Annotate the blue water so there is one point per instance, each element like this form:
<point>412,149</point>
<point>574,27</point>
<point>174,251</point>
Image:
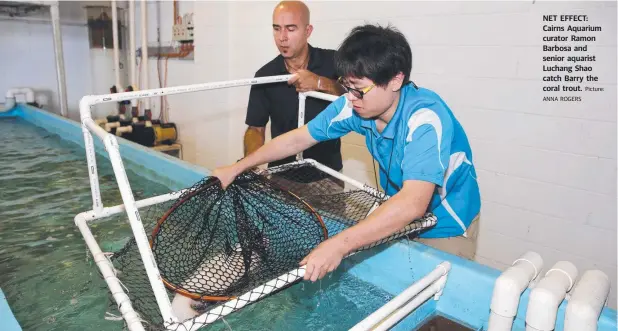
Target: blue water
<point>52,283</point>
<point>337,302</point>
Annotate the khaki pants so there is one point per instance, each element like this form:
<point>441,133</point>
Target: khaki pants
<point>461,246</point>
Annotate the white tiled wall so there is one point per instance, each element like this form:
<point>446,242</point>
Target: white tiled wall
<point>547,170</point>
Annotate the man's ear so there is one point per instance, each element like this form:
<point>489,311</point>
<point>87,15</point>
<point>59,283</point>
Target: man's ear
<point>309,30</point>
<point>396,82</point>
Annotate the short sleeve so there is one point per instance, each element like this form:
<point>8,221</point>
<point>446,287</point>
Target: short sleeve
<point>258,109</point>
<point>427,146</point>
<point>335,121</point>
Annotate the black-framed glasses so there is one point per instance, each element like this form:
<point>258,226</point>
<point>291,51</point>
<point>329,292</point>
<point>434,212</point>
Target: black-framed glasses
<point>357,93</point>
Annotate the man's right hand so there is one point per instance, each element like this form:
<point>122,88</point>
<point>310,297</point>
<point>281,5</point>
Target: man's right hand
<point>226,174</point>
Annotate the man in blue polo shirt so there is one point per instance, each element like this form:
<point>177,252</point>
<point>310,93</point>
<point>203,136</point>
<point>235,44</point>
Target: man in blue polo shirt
<point>423,152</point>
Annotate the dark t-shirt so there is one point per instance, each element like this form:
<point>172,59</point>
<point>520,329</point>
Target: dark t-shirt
<point>279,103</point>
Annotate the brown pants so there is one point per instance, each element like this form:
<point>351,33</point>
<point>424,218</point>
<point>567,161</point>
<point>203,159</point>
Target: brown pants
<point>461,246</point>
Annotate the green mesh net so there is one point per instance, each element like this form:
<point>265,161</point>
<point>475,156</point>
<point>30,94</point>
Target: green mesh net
<point>220,250</point>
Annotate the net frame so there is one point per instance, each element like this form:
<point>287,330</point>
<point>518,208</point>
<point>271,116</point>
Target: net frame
<point>131,207</point>
<point>291,277</point>
<point>188,196</point>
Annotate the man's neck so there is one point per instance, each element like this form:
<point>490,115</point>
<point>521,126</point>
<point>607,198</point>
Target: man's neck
<point>300,61</point>
<point>386,116</point>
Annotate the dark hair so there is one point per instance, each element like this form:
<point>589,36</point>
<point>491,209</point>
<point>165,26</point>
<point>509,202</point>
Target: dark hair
<point>374,52</point>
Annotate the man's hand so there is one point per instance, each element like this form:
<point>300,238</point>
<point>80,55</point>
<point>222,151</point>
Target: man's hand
<point>304,80</point>
<point>254,139</point>
<point>226,175</point>
<point>324,259</point>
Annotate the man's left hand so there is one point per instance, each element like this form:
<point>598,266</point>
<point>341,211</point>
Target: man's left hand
<point>323,259</point>
<point>304,80</point>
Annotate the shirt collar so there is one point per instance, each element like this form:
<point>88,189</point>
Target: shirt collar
<point>391,128</point>
<point>315,61</point>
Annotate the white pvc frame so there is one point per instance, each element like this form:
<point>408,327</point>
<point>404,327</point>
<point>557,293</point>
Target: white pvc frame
<point>130,206</point>
<point>400,306</point>
<point>302,97</point>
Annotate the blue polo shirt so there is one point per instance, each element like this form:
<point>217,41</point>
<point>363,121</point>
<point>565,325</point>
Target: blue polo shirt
<point>423,141</point>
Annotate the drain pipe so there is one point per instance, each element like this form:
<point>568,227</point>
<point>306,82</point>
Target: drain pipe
<point>587,301</point>
<point>547,296</point>
<point>11,97</point>
<point>60,73</point>
<point>145,68</point>
<point>508,289</point>
<point>133,78</point>
<point>115,42</point>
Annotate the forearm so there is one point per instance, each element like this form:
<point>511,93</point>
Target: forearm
<point>280,147</point>
<point>393,215</point>
<point>330,86</point>
<point>254,139</point>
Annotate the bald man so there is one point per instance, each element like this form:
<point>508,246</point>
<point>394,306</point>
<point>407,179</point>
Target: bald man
<point>313,69</point>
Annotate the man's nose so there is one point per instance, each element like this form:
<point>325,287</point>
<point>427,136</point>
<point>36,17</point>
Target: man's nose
<point>350,96</point>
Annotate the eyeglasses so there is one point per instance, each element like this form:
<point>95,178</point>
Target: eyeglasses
<point>357,93</point>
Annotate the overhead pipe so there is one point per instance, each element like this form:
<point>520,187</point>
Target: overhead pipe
<point>59,54</point>
<point>508,289</point>
<point>547,296</point>
<point>587,301</point>
<point>145,68</point>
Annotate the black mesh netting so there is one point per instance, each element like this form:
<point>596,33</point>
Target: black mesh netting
<point>219,247</point>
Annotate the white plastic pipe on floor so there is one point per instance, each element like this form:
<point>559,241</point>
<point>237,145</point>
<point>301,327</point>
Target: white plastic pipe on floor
<point>547,296</point>
<point>508,289</point>
<point>383,314</point>
<point>11,97</point>
<point>587,301</point>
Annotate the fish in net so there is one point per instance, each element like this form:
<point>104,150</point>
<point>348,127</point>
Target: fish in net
<point>220,250</point>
